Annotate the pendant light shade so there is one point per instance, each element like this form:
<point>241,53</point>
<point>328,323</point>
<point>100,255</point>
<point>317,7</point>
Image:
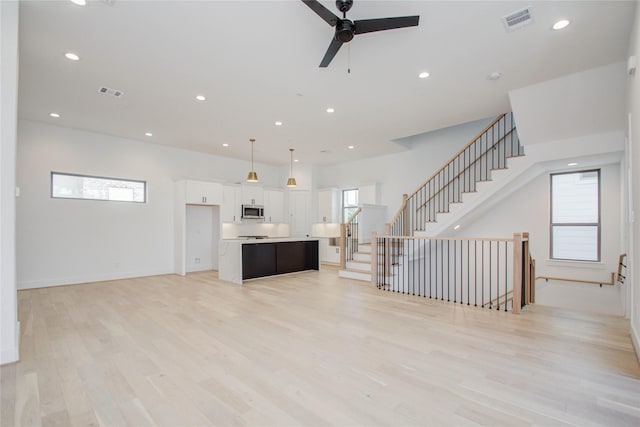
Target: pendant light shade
<point>291,182</point>
<point>252,176</point>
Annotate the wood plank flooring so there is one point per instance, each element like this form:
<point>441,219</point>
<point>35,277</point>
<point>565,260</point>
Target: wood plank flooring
<point>308,349</point>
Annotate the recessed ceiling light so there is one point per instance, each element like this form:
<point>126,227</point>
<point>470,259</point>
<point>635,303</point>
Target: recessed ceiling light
<point>200,97</point>
<point>72,56</point>
<point>54,115</point>
<point>296,160</point>
<point>351,147</point>
<point>563,23</point>
<point>494,76</point>
<point>330,110</point>
<point>148,134</point>
<point>225,145</point>
<point>572,164</point>
<point>423,75</point>
<point>278,123</point>
<point>456,227</point>
<point>79,2</point>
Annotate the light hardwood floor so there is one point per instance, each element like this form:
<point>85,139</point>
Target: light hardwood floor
<point>307,349</point>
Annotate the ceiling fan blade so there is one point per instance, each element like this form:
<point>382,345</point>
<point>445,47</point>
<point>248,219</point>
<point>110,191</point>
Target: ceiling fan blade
<point>371,25</point>
<point>322,12</point>
<point>331,52</point>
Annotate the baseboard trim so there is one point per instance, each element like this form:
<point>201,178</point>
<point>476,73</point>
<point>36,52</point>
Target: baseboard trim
<point>89,279</point>
<point>635,340</point>
<point>12,355</point>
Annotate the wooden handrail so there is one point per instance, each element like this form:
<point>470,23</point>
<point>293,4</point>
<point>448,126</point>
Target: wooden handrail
<point>562,279</point>
<point>455,156</point>
<point>493,239</point>
<point>353,216</point>
<point>496,299</point>
<point>443,188</point>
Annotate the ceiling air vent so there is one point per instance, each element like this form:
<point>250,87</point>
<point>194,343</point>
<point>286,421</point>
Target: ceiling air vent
<point>112,92</point>
<point>518,19</point>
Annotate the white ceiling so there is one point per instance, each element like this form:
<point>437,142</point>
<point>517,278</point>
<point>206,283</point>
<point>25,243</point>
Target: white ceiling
<point>257,63</point>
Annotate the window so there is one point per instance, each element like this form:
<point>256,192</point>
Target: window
<point>575,216</point>
<point>349,203</point>
<point>70,186</point>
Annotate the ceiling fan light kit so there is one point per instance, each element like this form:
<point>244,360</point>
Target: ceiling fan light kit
<point>347,29</point>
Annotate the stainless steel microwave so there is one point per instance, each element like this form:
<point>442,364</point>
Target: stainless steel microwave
<point>253,211</point>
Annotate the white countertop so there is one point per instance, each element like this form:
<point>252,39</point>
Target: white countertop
<point>244,240</point>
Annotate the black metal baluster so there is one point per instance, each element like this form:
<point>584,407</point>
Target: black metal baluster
<point>498,274</point>
<point>506,274</point>
<point>455,251</point>
<point>490,271</point>
<point>482,271</point>
<point>468,276</point>
<point>475,274</point>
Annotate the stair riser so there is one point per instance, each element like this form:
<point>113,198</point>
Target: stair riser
<point>358,266</point>
<point>355,275</point>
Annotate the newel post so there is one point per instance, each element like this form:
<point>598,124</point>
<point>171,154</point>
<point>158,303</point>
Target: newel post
<point>343,246</point>
<point>517,273</point>
<point>405,215</point>
<point>386,250</point>
<point>374,259</point>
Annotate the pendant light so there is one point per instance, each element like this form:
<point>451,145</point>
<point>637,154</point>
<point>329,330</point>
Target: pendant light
<point>252,176</point>
<point>291,182</point>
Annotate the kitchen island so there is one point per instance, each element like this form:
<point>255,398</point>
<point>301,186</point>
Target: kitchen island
<point>245,258</point>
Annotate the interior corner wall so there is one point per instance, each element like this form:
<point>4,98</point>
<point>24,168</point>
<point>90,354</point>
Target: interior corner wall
<point>633,109</point>
<point>402,173</point>
<point>9,334</point>
<point>65,241</point>
<point>528,210</point>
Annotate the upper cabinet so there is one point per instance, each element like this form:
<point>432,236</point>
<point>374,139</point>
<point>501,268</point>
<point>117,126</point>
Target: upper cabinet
<point>329,205</point>
<point>274,206</point>
<point>252,194</point>
<point>230,211</point>
<point>203,193</point>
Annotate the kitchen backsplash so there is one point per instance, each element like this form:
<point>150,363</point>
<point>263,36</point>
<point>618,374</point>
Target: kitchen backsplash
<point>231,230</point>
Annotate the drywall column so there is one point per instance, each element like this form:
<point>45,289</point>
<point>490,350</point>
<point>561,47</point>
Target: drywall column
<point>8,128</point>
<point>633,107</point>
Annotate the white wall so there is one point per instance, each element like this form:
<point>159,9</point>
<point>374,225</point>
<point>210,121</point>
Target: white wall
<point>585,103</point>
<point>633,107</point>
<point>404,172</point>
<point>528,210</point>
<point>9,333</point>
<point>73,241</point>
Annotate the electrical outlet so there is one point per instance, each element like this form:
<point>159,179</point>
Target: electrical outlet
<point>197,260</point>
<point>337,250</point>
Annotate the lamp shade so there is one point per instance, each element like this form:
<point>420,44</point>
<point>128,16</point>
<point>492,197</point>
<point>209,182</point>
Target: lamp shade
<point>291,182</point>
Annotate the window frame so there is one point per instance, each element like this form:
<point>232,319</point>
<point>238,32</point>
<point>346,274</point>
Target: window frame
<point>144,183</point>
<point>598,224</point>
<point>344,207</point>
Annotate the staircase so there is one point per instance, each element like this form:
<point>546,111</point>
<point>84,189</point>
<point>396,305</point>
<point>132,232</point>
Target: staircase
<point>461,179</point>
<point>358,268</point>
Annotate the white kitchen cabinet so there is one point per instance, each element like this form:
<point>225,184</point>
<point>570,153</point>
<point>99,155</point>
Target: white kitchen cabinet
<point>203,193</point>
<point>252,194</point>
<point>329,205</point>
<point>274,206</point>
<point>231,209</point>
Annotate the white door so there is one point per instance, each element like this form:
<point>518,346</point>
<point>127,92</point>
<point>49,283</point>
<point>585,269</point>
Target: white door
<point>202,235</point>
<point>299,213</point>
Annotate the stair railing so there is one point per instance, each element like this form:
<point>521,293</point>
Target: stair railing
<point>349,238</point>
<point>489,150</point>
<point>489,273</point>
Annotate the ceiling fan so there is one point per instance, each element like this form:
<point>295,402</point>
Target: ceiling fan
<point>346,29</point>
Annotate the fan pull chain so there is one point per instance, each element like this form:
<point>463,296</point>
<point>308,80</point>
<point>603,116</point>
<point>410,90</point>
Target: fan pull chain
<point>348,59</point>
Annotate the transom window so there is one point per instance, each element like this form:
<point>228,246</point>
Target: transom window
<point>72,186</point>
<point>349,203</point>
<point>575,216</point>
